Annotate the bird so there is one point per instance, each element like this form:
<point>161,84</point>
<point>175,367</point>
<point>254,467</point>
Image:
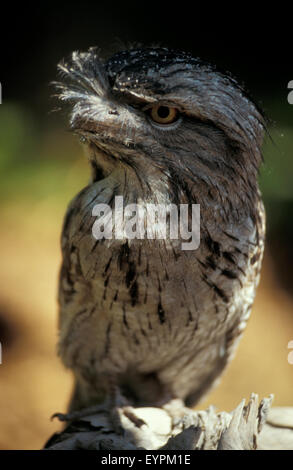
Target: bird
<point>144,316</point>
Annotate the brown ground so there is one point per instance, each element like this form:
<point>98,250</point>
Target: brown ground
<point>34,385</point>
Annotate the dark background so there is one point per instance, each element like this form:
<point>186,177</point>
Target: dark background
<point>255,46</point>
<point>42,168</point>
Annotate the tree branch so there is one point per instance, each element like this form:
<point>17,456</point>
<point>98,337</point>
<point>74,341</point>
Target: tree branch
<point>175,427</point>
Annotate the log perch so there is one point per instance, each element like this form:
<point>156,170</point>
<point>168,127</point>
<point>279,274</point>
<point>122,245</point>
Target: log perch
<point>250,426</point>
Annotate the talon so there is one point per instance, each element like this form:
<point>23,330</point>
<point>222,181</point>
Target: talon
<point>60,416</point>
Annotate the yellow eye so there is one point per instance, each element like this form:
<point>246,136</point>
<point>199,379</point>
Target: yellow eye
<point>163,114</point>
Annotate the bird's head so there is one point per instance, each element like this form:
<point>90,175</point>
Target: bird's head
<point>162,113</point>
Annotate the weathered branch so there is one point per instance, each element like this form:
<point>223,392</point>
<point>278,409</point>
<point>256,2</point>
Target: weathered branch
<point>173,427</point>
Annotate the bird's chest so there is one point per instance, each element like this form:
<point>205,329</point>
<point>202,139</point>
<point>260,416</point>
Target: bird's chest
<point>152,287</point>
<point>152,306</point>
<point>150,298</point>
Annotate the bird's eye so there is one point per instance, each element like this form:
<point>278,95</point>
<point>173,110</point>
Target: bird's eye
<point>163,114</point>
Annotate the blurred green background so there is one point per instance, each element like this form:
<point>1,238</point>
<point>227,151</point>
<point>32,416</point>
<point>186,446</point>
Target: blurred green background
<point>42,167</point>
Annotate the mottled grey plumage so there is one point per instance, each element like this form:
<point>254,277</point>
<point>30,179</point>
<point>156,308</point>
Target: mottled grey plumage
<point>143,314</point>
